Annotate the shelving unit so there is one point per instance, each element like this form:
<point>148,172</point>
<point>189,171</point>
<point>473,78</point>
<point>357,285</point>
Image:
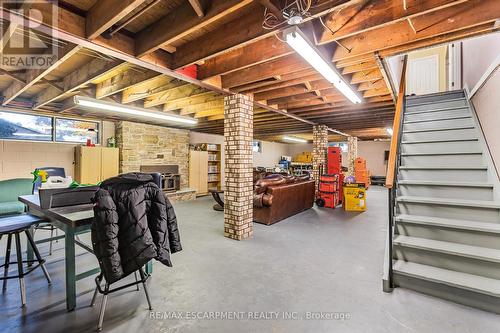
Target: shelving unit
<point>214,167</point>
<point>205,167</point>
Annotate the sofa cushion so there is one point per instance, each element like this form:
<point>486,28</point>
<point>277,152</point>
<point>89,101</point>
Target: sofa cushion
<point>11,207</point>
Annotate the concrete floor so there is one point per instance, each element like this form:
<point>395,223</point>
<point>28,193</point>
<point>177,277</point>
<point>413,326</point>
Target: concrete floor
<point>321,260</point>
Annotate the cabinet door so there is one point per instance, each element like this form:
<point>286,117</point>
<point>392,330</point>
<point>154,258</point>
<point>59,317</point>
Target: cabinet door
<point>203,172</point>
<point>89,165</point>
<point>109,162</point>
<point>194,166</point>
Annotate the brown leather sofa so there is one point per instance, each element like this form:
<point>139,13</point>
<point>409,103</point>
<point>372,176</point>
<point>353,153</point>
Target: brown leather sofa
<point>277,197</point>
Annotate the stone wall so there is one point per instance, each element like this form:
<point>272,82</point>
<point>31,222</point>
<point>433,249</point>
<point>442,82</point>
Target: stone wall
<point>143,144</point>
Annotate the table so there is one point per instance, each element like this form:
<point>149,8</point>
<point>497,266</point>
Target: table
<point>73,220</point>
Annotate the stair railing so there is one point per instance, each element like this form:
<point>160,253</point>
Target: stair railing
<point>394,163</point>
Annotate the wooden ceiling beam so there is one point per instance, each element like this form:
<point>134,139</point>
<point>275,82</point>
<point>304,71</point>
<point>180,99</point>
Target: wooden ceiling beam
<point>71,28</point>
<point>378,84</point>
<point>239,32</point>
<point>76,80</point>
<point>182,22</point>
<point>361,67</point>
<point>284,84</point>
<point>122,81</point>
<point>461,16</point>
<point>284,65</point>
<point>104,14</point>
<point>443,39</point>
<point>264,50</point>
<point>368,76</point>
<point>35,75</point>
<point>368,15</point>
<point>149,87</point>
<point>376,92</point>
<point>217,104</point>
<point>198,7</point>
<point>194,101</point>
<point>282,92</point>
<point>177,93</point>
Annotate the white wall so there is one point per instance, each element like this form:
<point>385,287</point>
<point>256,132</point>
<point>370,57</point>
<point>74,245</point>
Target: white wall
<point>295,149</point>
<point>487,105</point>
<point>479,57</point>
<point>19,158</point>
<point>270,155</point>
<point>373,152</point>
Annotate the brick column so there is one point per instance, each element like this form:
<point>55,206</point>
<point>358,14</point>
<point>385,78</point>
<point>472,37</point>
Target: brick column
<point>320,144</point>
<point>238,194</point>
<point>352,153</point>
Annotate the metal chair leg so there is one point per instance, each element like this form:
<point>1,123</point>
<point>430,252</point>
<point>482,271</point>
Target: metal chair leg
<point>136,280</point>
<point>143,278</point>
<point>51,236</point>
<point>38,257</point>
<point>96,291</point>
<point>20,269</point>
<point>103,307</point>
<point>7,262</point>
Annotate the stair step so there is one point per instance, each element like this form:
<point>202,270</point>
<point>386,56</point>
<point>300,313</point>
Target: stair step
<point>449,223</point>
<point>451,278</point>
<point>439,129</point>
<point>442,153</point>
<point>444,167</point>
<point>436,119</point>
<point>449,202</point>
<point>462,250</point>
<point>437,110</point>
<point>441,183</point>
<point>439,141</point>
<point>413,104</point>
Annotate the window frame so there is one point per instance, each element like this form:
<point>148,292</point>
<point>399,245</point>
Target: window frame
<point>53,130</point>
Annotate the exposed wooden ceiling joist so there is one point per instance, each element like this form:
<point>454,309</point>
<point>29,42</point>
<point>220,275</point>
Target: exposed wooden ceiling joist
<point>182,22</point>
<point>461,16</point>
<point>367,15</point>
<point>104,14</point>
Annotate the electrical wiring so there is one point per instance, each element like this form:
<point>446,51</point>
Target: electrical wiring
<point>291,9</point>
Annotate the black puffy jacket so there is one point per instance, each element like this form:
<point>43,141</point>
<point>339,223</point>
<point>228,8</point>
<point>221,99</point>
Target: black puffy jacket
<point>133,224</point>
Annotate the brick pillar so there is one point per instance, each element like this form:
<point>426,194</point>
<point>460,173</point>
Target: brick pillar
<point>352,153</point>
<point>238,194</point>
<point>320,144</point>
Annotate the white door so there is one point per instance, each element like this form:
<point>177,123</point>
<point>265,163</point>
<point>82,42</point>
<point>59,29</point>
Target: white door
<point>423,75</point>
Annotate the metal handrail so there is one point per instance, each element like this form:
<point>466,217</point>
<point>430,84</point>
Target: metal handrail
<point>394,163</point>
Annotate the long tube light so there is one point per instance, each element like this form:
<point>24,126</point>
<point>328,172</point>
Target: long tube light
<point>301,44</point>
<point>294,139</point>
<point>132,111</point>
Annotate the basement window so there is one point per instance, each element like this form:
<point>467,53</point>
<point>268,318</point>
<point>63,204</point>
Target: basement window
<point>71,130</point>
<point>17,126</point>
<point>257,146</point>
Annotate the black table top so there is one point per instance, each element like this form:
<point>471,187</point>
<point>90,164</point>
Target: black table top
<point>71,215</point>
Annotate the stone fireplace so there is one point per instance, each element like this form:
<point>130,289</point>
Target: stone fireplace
<point>151,145</point>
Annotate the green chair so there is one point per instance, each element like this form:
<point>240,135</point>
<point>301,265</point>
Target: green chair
<point>10,190</point>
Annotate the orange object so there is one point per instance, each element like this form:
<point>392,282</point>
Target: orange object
<point>361,174</point>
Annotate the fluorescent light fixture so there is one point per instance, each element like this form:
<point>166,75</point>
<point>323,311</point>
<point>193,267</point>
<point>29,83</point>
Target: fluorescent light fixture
<point>294,139</point>
<point>131,111</point>
<point>301,44</point>
<point>389,131</point>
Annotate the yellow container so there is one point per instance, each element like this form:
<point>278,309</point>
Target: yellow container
<point>354,198</point>
<point>304,157</point>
